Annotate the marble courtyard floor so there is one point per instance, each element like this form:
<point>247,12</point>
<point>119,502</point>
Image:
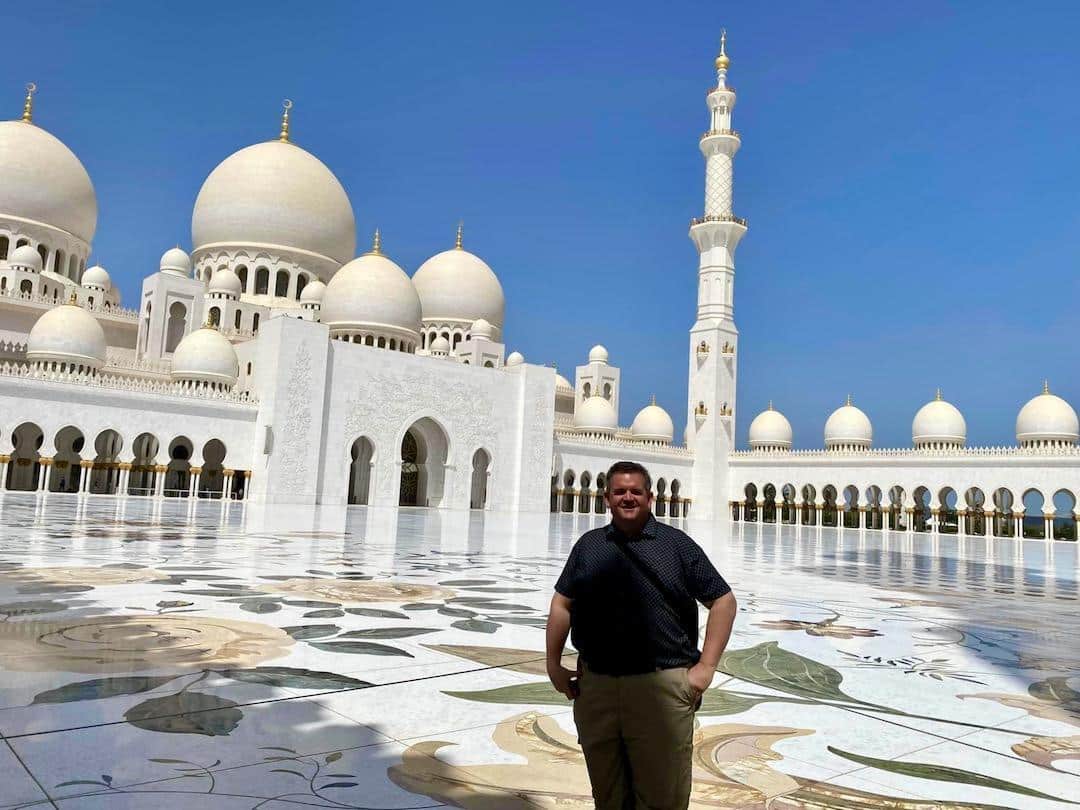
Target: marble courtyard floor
<point>209,655</point>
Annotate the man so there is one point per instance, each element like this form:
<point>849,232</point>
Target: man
<point>628,593</point>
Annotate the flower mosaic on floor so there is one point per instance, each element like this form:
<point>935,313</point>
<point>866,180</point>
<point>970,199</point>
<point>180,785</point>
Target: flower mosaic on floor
<point>222,655</point>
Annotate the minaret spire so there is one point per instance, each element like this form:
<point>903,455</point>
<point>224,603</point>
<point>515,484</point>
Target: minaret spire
<point>28,105</point>
<point>460,232</point>
<point>283,136</point>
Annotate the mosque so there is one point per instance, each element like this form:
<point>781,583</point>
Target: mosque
<point>272,363</point>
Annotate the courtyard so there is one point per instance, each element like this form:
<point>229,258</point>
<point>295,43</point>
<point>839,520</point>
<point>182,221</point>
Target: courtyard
<point>216,654</point>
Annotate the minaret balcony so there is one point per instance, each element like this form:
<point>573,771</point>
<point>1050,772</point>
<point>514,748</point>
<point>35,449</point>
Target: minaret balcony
<point>712,133</point>
<point>718,218</point>
<point>724,89</point>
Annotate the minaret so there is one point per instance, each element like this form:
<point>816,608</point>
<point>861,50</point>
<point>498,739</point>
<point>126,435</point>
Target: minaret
<point>714,338</point>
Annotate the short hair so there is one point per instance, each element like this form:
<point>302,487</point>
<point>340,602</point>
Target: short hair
<point>631,467</point>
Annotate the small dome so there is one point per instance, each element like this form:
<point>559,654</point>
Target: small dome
<point>652,423</point>
<point>1047,418</point>
<point>598,354</point>
<point>275,193</point>
<point>596,415</point>
<point>440,347</point>
<point>847,426</point>
<point>44,181</point>
<point>770,429</point>
<point>938,422</point>
<point>67,334</point>
<point>206,356</point>
<point>226,282</point>
<point>371,291</point>
<point>313,292</point>
<point>481,329</point>
<point>515,359</point>
<point>96,276</point>
<point>455,285</point>
<point>175,261</point>
<point>25,256</point>
<point>562,385</point>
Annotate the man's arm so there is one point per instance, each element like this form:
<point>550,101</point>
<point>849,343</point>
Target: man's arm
<point>717,633</point>
<point>558,628</point>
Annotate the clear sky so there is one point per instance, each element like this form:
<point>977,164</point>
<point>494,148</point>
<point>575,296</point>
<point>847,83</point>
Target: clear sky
<point>909,171</point>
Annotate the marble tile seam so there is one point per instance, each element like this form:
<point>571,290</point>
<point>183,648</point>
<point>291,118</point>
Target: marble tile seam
<point>45,795</point>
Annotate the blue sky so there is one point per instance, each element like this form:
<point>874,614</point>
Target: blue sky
<point>909,172</point>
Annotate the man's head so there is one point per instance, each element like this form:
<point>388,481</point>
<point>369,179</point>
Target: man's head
<point>629,495</point>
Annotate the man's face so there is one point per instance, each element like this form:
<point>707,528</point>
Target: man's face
<point>628,498</point>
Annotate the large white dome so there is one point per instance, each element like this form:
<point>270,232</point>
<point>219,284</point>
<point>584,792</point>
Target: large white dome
<point>41,180</point>
<point>848,427</point>
<point>938,422</point>
<point>455,285</point>
<point>770,429</point>
<point>596,415</point>
<point>67,334</point>
<point>652,424</point>
<point>206,356</point>
<point>275,193</point>
<point>371,292</point>
<point>1047,418</point>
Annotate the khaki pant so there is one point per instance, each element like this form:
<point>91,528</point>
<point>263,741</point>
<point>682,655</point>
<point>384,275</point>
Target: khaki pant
<point>637,733</point>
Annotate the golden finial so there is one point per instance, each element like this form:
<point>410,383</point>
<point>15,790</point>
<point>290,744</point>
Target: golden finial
<point>73,299</point>
<point>848,403</point>
<point>283,136</point>
<point>937,396</point>
<point>722,60</point>
<point>652,399</point>
<point>770,405</point>
<point>28,105</point>
<point>209,323</point>
<point>1046,386</point>
<point>460,231</point>
<point>376,245</point>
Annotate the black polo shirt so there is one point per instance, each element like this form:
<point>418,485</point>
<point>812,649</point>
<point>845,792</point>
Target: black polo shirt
<point>620,621</point>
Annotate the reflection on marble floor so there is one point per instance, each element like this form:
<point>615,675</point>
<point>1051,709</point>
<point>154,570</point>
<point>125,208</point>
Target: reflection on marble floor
<point>165,654</point>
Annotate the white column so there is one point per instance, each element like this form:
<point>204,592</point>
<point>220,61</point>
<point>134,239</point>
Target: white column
<point>159,480</point>
<point>43,476</point>
<point>3,474</point>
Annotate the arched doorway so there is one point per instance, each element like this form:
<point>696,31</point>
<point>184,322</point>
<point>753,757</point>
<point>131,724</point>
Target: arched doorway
<point>768,503</point>
<point>828,509</point>
<point>24,470</point>
<point>600,504</point>
<point>585,498</point>
<point>178,471</point>
<point>424,451</point>
<point>674,503</point>
<point>481,467</point>
<point>809,505</point>
<point>921,516</point>
<point>568,491</point>
<point>660,507</point>
<point>1003,513</point>
<point>363,451</point>
<point>66,467</point>
<point>976,512</point>
<point>750,504</point>
<point>105,473</point>
<point>1064,524</point>
<point>212,477</point>
<point>143,475</point>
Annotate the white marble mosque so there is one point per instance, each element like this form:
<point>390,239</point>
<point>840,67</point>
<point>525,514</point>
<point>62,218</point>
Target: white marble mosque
<point>220,586</point>
<point>272,363</point>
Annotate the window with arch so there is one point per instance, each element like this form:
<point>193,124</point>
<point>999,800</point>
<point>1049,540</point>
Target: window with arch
<point>262,281</point>
<point>5,244</point>
<point>241,273</point>
<point>281,283</point>
<point>586,390</point>
<point>236,319</point>
<point>215,316</point>
<point>175,326</point>
<point>607,391</point>
<point>43,252</point>
<point>301,282</point>
<point>3,283</point>
<point>255,322</point>
<point>249,368</point>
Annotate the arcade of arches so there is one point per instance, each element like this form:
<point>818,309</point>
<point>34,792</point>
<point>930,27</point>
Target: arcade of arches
<point>584,494</point>
<point>1001,514</point>
<point>81,464</point>
<point>422,463</point>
